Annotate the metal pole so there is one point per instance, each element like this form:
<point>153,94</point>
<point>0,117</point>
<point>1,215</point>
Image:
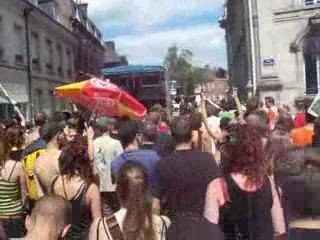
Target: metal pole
<point>26,13</point>
<point>253,50</point>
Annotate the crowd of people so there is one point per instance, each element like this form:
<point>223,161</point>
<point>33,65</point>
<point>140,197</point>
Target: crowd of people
<point>210,173</point>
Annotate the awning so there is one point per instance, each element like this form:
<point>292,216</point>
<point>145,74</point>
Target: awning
<point>15,84</point>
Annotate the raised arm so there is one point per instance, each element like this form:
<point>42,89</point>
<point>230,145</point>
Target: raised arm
<point>239,108</point>
<point>211,133</point>
<point>90,137</point>
<point>23,120</point>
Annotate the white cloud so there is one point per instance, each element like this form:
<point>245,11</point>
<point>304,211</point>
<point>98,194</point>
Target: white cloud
<point>143,14</point>
<point>147,44</point>
<point>205,41</point>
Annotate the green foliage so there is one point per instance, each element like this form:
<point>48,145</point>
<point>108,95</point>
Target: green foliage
<point>180,67</point>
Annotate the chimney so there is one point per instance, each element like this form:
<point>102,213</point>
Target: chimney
<point>84,8</point>
<point>110,46</point>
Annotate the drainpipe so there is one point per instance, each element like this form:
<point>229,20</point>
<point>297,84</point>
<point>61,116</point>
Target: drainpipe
<point>26,14</point>
<point>253,50</point>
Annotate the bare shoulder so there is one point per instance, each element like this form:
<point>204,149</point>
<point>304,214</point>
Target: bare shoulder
<point>93,188</point>
<point>93,191</point>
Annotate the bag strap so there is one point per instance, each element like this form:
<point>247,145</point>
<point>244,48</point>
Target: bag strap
<point>98,227</point>
<point>113,227</point>
<point>164,229</point>
<point>13,168</point>
<point>64,188</point>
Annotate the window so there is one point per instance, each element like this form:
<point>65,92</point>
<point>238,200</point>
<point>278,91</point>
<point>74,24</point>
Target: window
<point>49,49</point>
<point>122,82</point>
<point>1,39</point>
<point>310,2</point>
<point>19,44</point>
<point>69,63</point>
<point>39,100</point>
<point>312,64</point>
<point>34,2</point>
<point>60,60</point>
<point>312,74</point>
<point>150,80</point>
<point>35,51</point>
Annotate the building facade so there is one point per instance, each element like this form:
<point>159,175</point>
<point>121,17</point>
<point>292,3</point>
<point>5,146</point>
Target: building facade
<point>41,47</point>
<point>217,86</point>
<point>274,47</point>
<point>112,58</point>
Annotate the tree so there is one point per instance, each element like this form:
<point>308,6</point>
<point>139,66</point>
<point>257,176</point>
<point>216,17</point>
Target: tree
<point>180,67</point>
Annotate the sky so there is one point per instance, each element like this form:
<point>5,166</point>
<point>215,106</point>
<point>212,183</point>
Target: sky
<point>144,29</point>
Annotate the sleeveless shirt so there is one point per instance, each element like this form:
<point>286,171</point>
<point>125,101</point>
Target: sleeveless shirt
<point>248,215</point>
<point>81,218</point>
<point>10,196</point>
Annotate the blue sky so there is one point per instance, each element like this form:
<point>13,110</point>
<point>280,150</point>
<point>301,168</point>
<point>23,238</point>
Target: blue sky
<point>144,29</point>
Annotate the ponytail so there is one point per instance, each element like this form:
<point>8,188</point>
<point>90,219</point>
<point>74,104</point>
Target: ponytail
<point>132,190</point>
<point>138,221</point>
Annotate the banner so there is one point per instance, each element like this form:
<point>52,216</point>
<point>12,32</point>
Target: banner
<point>314,109</point>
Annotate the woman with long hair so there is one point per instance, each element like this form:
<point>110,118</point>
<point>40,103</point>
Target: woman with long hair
<point>76,184</point>
<point>134,221</point>
<point>254,211</point>
<point>16,136</point>
<point>13,188</point>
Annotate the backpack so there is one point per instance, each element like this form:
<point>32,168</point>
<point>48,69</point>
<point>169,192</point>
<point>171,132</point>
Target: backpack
<point>28,163</point>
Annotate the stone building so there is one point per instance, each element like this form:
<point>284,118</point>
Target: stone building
<point>112,58</point>
<point>45,43</point>
<point>274,47</point>
<point>217,86</point>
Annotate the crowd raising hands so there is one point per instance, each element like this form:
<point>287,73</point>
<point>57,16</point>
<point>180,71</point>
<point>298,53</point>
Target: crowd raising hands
<point>219,170</point>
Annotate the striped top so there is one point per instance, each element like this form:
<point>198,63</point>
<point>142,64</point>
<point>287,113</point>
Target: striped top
<point>10,196</point>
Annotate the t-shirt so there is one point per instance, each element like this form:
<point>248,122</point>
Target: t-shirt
<point>148,158</point>
<point>183,179</point>
<point>106,149</point>
<point>302,137</point>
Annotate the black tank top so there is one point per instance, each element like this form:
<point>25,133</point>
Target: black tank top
<point>248,215</point>
<point>81,216</point>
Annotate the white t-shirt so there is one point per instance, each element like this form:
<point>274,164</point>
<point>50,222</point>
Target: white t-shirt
<point>106,149</point>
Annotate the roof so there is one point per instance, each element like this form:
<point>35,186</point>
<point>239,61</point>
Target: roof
<point>132,69</point>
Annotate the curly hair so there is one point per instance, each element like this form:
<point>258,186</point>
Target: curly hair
<point>246,153</point>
